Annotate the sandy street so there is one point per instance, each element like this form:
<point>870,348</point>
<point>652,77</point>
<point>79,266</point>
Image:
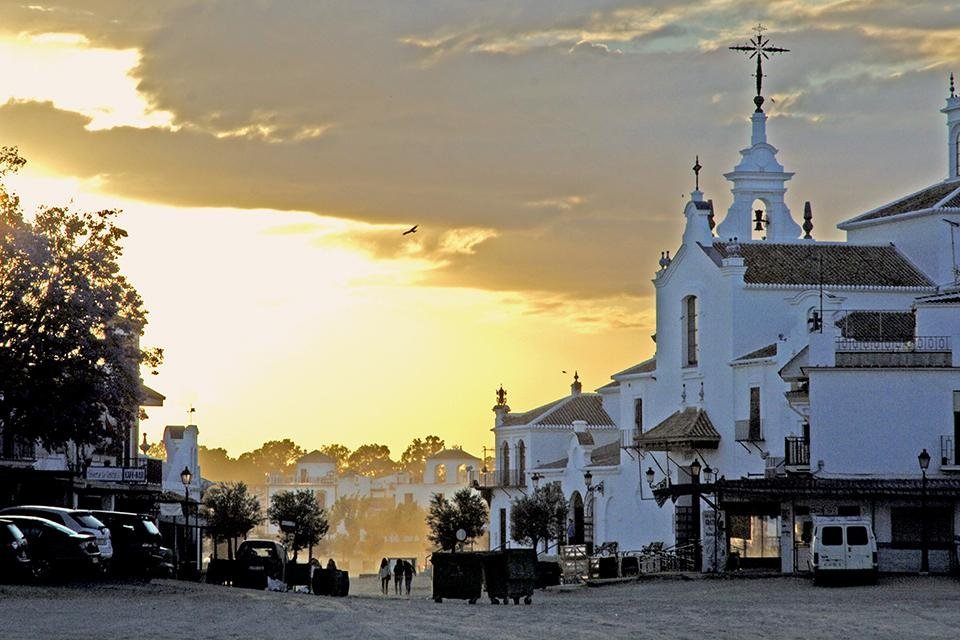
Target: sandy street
<point>781,608</point>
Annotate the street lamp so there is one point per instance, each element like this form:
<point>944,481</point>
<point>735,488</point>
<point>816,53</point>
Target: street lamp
<point>924,460</point>
<point>650,474</point>
<point>588,480</point>
<point>708,475</point>
<point>185,478</point>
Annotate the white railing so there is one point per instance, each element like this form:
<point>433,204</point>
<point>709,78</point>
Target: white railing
<point>920,344</point>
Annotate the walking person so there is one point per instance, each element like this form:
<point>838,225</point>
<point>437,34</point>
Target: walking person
<point>384,576</point>
<point>408,573</point>
<point>397,576</point>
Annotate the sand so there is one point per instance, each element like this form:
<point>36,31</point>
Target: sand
<point>702,609</point>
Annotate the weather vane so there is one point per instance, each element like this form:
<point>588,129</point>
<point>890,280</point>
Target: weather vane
<point>758,47</point>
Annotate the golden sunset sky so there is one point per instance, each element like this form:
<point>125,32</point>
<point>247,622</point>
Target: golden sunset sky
<point>268,155</point>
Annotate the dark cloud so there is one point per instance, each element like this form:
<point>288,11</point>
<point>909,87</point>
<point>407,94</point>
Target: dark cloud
<point>474,115</point>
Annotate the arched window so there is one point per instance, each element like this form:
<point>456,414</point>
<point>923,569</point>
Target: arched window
<point>440,473</point>
<point>462,474</point>
<point>690,344</point>
<point>521,463</point>
<point>505,465</point>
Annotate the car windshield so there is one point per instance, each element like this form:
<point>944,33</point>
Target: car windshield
<point>47,524</point>
<point>87,520</point>
<point>151,528</point>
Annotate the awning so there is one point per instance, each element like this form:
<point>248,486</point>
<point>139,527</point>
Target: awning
<point>686,429</point>
<point>789,487</point>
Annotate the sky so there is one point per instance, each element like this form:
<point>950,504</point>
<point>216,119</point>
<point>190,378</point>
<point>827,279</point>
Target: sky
<point>269,154</point>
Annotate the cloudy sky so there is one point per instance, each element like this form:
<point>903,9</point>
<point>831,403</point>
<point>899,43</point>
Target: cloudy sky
<point>268,155</point>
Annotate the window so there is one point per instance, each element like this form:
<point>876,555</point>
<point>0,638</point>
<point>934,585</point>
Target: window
<point>505,465</point>
<point>856,536</point>
<point>440,473</point>
<point>503,528</point>
<point>832,536</point>
<point>755,433</point>
<point>690,345</point>
<point>638,414</point>
<point>906,532</point>
<point>956,427</point>
<point>521,462</point>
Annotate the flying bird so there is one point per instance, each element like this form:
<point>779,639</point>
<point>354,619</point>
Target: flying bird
<point>412,229</point>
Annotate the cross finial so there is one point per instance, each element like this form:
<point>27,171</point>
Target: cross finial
<point>953,94</point>
<point>758,47</point>
<point>696,173</point>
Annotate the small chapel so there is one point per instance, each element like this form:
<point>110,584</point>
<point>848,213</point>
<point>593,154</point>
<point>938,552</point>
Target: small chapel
<point>793,378</point>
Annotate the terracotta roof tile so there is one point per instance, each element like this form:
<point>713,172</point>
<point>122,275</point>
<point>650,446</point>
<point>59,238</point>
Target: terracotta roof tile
<point>562,412</point>
<point>927,198</point>
<point>690,426</point>
<point>843,264</point>
<point>452,454</point>
<point>585,438</point>
<point>556,464</point>
<point>607,455</point>
<point>763,352</point>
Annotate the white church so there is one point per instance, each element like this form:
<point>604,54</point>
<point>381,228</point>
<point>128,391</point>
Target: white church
<point>792,378</point>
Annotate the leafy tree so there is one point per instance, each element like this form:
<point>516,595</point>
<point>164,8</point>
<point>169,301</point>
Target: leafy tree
<point>302,509</point>
<point>157,450</point>
<point>539,516</point>
<point>339,453</point>
<point>70,324</point>
<point>231,512</point>
<point>372,460</point>
<point>350,519</point>
<point>466,511</point>
<point>414,458</point>
<point>218,466</point>
<point>275,456</point>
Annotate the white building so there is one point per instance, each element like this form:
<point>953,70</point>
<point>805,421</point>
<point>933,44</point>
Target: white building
<point>772,350</point>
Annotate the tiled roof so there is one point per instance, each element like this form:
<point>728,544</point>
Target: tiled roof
<point>556,464</point>
<point>647,366</point>
<point>584,438</point>
<point>843,264</point>
<point>562,412</point>
<point>607,455</point>
<point>452,454</point>
<point>763,352</point>
<point>936,196</point>
<point>950,297</point>
<point>609,385</point>
<point>745,488</point>
<point>687,427</point>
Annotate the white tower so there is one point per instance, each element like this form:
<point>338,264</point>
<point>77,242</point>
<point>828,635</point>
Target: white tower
<point>759,176</point>
<point>953,131</point>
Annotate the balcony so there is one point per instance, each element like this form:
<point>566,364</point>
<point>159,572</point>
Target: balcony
<point>796,454</point>
<point>748,430</point>
<point>498,478</point>
<point>921,351</point>
<point>948,454</point>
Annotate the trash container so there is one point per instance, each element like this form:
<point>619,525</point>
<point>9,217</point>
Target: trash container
<point>341,583</point>
<point>220,571</point>
<point>321,582</point>
<point>548,574</point>
<point>510,574</point>
<point>298,574</point>
<point>630,566</point>
<point>457,575</point>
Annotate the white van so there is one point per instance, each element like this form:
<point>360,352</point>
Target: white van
<point>843,547</point>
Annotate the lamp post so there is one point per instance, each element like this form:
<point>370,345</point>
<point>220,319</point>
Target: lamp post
<point>924,460</point>
<point>695,469</point>
<point>185,478</point>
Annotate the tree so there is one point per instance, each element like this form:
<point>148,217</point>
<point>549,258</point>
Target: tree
<point>350,519</point>
<point>372,460</point>
<point>70,324</point>
<point>414,457</point>
<point>231,512</point>
<point>339,453</point>
<point>539,516</point>
<point>301,520</point>
<point>466,511</point>
<point>275,456</point>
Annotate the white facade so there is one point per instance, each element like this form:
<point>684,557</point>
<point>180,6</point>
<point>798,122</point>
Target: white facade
<point>181,446</point>
<point>777,356</point>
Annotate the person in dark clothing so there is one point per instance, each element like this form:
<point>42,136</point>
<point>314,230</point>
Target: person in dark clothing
<point>408,573</point>
<point>397,576</point>
<point>384,576</point>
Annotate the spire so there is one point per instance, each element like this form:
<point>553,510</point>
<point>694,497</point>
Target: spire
<point>576,387</point>
<point>759,176</point>
<point>952,111</point>
<point>696,174</point>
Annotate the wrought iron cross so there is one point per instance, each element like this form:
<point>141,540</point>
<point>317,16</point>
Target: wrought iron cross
<point>759,47</point>
<point>696,172</point>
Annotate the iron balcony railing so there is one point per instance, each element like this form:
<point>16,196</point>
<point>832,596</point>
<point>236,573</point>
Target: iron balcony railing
<point>919,344</point>
<point>796,452</point>
<point>499,478</point>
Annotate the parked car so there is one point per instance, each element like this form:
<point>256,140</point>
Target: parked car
<point>15,561</point>
<point>165,563</point>
<point>57,551</point>
<point>78,520</point>
<point>136,542</point>
<point>843,547</point>
<point>258,560</point>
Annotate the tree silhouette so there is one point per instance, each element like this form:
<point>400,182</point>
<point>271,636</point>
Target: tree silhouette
<point>231,512</point>
<point>466,511</point>
<point>308,521</point>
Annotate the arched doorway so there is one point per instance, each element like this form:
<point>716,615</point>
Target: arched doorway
<point>576,507</point>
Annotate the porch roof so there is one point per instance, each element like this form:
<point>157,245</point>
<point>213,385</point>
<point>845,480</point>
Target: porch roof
<point>687,428</point>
